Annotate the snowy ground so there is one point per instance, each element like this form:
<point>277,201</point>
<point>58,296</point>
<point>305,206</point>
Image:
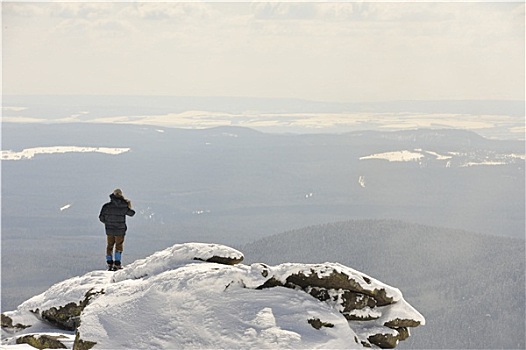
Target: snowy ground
<point>490,126</point>
<point>460,159</point>
<point>31,152</point>
<point>171,301</point>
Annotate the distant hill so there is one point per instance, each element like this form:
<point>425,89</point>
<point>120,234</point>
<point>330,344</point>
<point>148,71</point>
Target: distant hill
<point>233,185</point>
<point>470,287</point>
<point>48,106</point>
<point>215,176</point>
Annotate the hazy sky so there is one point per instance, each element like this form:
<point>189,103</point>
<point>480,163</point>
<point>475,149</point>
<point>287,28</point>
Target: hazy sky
<point>346,52</point>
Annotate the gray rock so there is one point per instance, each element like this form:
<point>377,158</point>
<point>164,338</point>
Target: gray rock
<point>317,323</point>
<point>222,260</point>
<point>68,316</point>
<point>80,344</point>
<point>338,280</point>
<point>347,295</point>
<point>7,322</point>
<point>41,341</point>
<point>387,340</point>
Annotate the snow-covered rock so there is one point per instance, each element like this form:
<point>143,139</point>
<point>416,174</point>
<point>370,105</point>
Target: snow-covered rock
<point>178,255</point>
<point>198,295</point>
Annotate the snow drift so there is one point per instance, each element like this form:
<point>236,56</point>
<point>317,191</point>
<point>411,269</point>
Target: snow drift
<point>199,295</point>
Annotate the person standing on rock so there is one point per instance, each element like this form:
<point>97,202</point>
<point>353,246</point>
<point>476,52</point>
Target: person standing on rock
<point>113,216</point>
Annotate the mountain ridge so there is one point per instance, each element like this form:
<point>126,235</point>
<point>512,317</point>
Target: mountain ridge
<point>240,104</point>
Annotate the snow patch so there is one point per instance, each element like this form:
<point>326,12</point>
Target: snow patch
<point>466,159</point>
<point>361,181</point>
<point>200,212</point>
<point>436,155</point>
<point>29,153</point>
<point>470,164</point>
<point>397,156</point>
<point>13,108</point>
<point>174,257</point>
<point>67,206</point>
<point>518,156</point>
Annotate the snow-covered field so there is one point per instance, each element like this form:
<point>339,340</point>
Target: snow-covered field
<point>171,301</point>
<point>461,159</point>
<point>29,153</point>
<point>397,156</point>
<point>490,126</point>
<point>415,155</point>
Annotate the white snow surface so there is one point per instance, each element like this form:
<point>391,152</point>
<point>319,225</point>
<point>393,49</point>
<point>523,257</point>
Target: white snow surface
<point>65,207</point>
<point>173,258</point>
<point>169,300</point>
<point>397,156</point>
<point>460,158</point>
<point>361,181</point>
<point>29,153</point>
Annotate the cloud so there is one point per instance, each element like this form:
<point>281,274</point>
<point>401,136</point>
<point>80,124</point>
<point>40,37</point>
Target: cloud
<point>83,10</point>
<point>23,9</point>
<point>285,11</point>
<point>167,10</point>
<point>335,51</point>
<point>85,32</point>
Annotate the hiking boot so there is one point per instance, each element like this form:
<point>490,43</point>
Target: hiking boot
<point>111,267</point>
<point>117,266</point>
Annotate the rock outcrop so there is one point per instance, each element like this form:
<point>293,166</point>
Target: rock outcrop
<point>356,296</point>
<point>67,317</point>
<point>374,314</point>
<point>7,323</point>
<point>42,341</point>
<point>80,344</point>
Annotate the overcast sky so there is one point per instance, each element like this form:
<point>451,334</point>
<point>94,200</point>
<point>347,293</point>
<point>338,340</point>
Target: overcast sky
<point>345,52</point>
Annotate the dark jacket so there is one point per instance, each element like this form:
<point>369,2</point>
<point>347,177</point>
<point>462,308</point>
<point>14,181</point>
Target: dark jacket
<point>113,215</point>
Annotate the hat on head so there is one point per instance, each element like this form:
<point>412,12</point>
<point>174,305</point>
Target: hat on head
<point>117,192</point>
